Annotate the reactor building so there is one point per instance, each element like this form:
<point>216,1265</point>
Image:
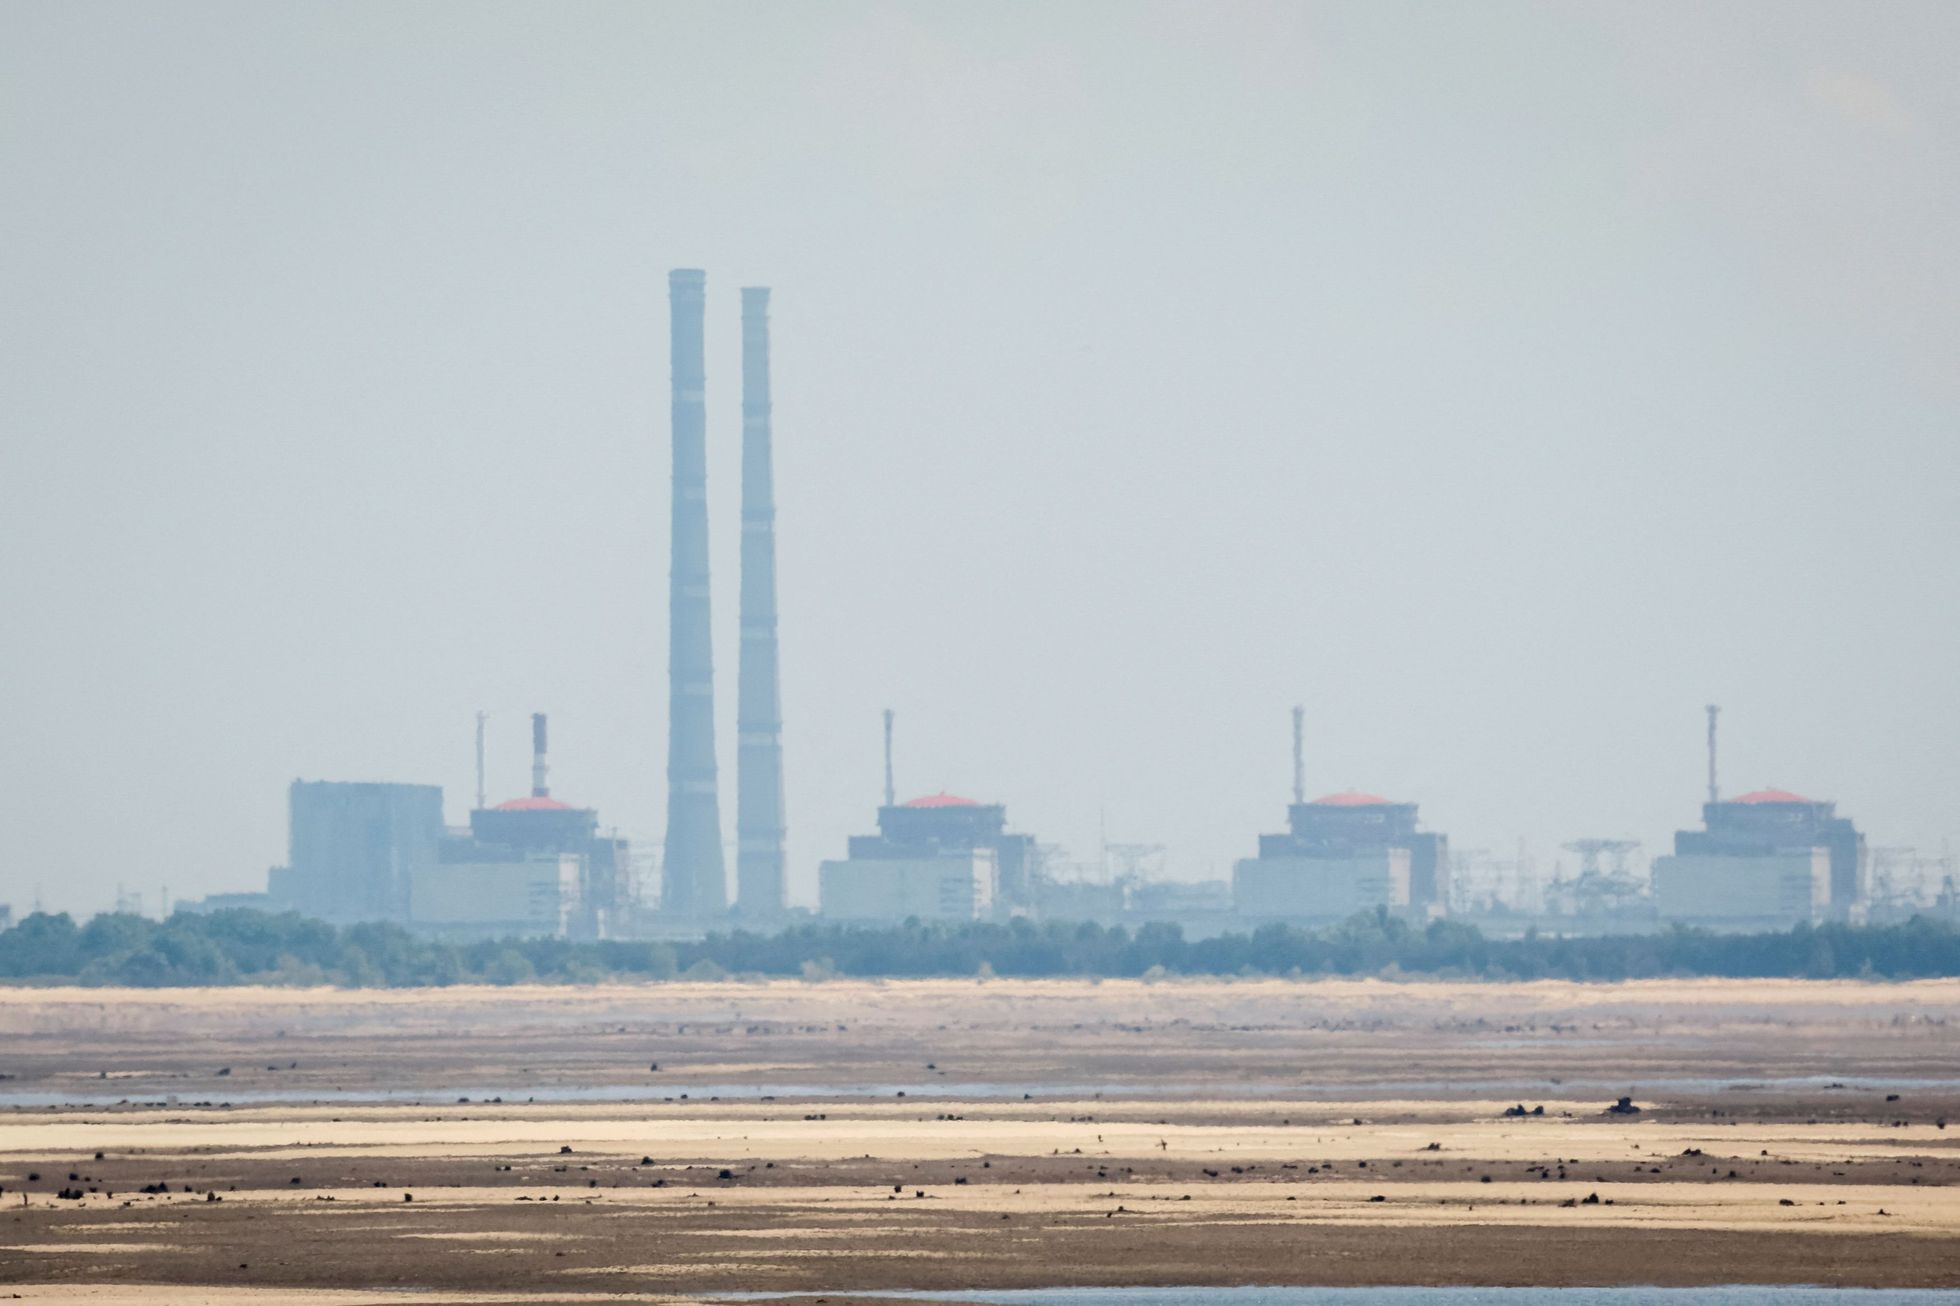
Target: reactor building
<point>1342,854</point>
<point>529,866</point>
<point>1768,860</point>
<point>937,858</point>
<point>940,857</point>
<point>380,852</point>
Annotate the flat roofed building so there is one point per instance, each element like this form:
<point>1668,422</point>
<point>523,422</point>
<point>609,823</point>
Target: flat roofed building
<point>1765,860</point>
<point>1769,891</point>
<point>940,857</point>
<point>539,825</point>
<point>1341,854</point>
<point>537,895</point>
<point>951,886</point>
<point>1321,888</point>
<point>353,848</point>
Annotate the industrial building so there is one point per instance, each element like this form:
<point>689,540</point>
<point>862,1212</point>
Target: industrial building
<point>353,849</point>
<point>533,865</point>
<point>527,896</point>
<point>380,852</point>
<point>1764,861</point>
<point>940,857</point>
<point>1767,860</point>
<point>1344,853</point>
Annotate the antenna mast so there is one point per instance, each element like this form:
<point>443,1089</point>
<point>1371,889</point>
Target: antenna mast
<point>1299,755</point>
<point>482,797</point>
<point>1714,792</point>
<point>891,793</point>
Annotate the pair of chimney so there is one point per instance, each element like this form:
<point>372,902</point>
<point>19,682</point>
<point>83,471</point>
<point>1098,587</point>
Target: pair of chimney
<point>694,882</point>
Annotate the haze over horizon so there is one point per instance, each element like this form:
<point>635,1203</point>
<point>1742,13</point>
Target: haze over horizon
<point>1502,384</point>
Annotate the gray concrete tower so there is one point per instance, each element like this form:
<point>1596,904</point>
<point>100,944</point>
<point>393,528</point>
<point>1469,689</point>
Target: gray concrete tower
<point>693,881</point>
<point>760,862</point>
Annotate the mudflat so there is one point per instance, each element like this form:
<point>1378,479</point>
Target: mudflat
<point>636,1142</point>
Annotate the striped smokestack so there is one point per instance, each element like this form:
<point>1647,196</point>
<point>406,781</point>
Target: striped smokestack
<point>693,881</point>
<point>760,863</point>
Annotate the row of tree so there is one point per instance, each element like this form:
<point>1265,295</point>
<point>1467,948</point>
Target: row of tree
<point>251,947</point>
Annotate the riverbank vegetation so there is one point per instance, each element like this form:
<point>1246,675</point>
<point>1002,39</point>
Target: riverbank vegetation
<point>251,947</point>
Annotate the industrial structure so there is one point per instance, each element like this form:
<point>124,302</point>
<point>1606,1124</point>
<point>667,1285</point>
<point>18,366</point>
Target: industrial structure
<point>537,865</point>
<point>532,865</point>
<point>1607,896</point>
<point>940,857</point>
<point>1765,860</point>
<point>761,860</point>
<point>380,852</point>
<point>1344,853</point>
<point>352,849</point>
<point>694,881</point>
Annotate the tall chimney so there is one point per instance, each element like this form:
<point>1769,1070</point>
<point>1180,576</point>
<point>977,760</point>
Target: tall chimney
<point>891,793</point>
<point>1299,755</point>
<point>760,859</point>
<point>1714,793</point>
<point>539,789</point>
<point>693,881</point>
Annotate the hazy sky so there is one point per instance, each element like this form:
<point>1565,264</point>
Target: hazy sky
<point>1502,382</point>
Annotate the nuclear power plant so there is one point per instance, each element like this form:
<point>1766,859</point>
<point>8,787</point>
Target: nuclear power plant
<point>1768,859</point>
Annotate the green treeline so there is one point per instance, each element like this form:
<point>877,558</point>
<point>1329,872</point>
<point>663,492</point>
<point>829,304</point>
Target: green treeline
<point>251,947</point>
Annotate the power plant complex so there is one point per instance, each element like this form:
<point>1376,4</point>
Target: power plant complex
<point>535,864</point>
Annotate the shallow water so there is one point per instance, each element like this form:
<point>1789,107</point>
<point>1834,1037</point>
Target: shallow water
<point>1741,1295</point>
<point>1529,1089</point>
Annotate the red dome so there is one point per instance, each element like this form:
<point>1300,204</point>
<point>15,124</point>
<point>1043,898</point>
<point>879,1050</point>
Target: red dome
<point>1352,798</point>
<point>533,805</point>
<point>1771,796</point>
<point>942,799</point>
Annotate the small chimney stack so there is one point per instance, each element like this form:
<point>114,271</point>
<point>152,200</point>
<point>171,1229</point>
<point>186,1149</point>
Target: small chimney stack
<point>539,789</point>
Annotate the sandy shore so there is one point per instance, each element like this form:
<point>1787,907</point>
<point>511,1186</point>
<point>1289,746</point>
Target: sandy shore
<point>1119,1133</point>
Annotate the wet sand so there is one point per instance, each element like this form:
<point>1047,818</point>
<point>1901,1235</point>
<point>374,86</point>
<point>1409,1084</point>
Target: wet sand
<point>1049,1133</point>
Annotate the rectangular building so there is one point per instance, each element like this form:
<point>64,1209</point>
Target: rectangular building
<point>1765,860</point>
<point>1343,854</point>
<point>940,857</point>
<point>537,895</point>
<point>949,886</point>
<point>1771,891</point>
<point>353,848</point>
<point>1321,888</point>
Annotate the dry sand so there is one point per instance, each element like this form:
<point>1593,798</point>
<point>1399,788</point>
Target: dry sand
<point>1219,1132</point>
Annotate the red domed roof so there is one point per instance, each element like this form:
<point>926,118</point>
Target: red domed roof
<point>942,799</point>
<point>1352,798</point>
<point>533,805</point>
<point>1770,796</point>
